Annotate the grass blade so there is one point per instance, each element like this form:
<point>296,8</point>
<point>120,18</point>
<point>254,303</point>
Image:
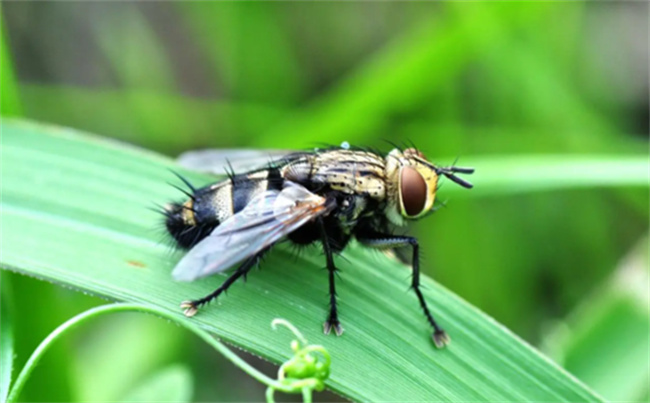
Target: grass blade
<point>75,209</point>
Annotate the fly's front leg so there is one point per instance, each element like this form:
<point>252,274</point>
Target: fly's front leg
<point>332,319</point>
<point>191,307</point>
<point>380,241</point>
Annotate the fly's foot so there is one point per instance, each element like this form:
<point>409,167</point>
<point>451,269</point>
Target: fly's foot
<point>440,338</point>
<point>333,324</point>
<point>190,308</point>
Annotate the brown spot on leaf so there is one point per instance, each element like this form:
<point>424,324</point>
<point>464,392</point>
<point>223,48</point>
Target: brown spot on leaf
<point>135,263</point>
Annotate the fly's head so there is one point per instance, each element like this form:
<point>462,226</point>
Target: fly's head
<point>412,182</point>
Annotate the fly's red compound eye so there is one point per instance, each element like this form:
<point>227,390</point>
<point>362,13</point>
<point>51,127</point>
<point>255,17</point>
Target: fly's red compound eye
<point>413,191</point>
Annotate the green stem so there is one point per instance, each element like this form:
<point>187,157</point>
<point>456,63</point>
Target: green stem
<point>282,322</point>
<point>269,395</point>
<point>91,313</point>
<point>306,394</point>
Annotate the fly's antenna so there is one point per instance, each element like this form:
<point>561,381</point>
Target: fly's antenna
<point>450,171</point>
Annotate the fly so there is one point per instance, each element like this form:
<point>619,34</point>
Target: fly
<point>329,196</point>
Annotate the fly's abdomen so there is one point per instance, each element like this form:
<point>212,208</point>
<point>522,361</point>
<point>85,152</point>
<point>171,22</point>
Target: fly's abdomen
<point>192,221</point>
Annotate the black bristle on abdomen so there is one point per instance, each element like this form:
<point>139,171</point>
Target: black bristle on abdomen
<point>186,235</point>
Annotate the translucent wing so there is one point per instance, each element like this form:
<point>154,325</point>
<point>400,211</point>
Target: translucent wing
<point>266,219</point>
<point>220,161</point>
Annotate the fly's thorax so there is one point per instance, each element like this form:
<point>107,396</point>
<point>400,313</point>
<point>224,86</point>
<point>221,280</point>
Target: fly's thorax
<point>411,185</point>
<point>351,209</point>
<point>347,171</point>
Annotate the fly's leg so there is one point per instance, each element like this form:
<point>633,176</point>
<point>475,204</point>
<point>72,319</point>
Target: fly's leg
<point>380,241</point>
<point>191,307</point>
<point>332,321</point>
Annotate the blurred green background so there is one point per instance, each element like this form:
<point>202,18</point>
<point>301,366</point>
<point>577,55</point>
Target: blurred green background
<point>458,79</point>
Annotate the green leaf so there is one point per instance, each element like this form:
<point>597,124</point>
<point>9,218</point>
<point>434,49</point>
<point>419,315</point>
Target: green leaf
<point>6,340</point>
<point>76,209</point>
<point>171,384</point>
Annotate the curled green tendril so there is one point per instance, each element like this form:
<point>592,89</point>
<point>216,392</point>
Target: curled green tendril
<point>307,370</point>
<point>288,382</point>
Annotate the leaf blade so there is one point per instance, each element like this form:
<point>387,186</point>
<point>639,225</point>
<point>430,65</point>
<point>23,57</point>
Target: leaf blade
<point>75,207</point>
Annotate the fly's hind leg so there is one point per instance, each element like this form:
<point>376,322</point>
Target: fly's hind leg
<point>381,241</point>
<point>191,307</point>
<point>332,321</point>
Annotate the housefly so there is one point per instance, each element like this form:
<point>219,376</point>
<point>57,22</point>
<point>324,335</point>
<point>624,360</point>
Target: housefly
<point>326,195</point>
